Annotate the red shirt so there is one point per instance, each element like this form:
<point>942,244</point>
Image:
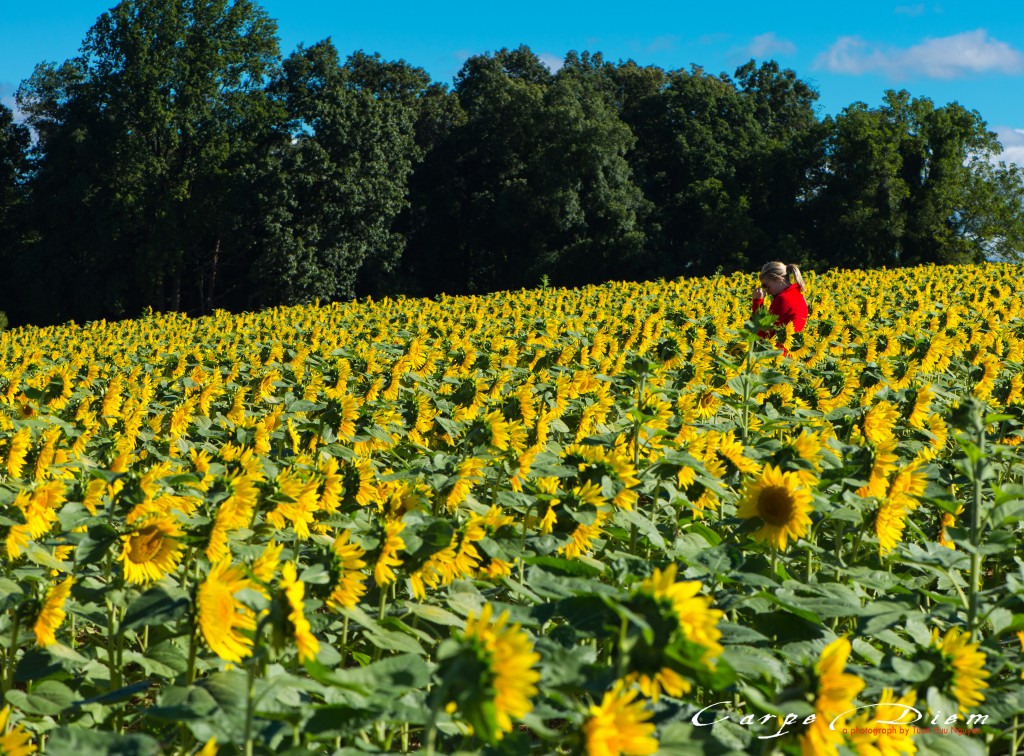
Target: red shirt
<point>789,306</point>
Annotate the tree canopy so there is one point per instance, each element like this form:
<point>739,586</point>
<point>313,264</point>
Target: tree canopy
<point>180,162</point>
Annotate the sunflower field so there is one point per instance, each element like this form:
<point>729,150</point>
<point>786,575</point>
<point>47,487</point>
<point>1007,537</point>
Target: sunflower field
<point>599,521</point>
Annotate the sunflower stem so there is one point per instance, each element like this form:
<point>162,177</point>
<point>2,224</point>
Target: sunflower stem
<point>382,611</point>
<point>193,645</point>
<point>621,665</point>
<point>978,465</point>
<point>430,736</point>
<point>633,533</point>
<point>250,704</point>
<point>115,672</point>
<point>11,652</point>
<point>745,426</point>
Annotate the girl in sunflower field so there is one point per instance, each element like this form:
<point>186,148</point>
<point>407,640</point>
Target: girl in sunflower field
<point>785,285</point>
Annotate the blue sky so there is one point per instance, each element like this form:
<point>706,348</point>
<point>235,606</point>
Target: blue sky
<point>968,52</point>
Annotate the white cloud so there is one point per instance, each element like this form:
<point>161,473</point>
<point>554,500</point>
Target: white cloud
<point>1013,145</point>
<point>713,39</point>
<point>7,94</point>
<point>909,10</point>
<point>766,45</point>
<point>664,42</point>
<point>7,91</point>
<point>973,52</point>
<point>552,61</point>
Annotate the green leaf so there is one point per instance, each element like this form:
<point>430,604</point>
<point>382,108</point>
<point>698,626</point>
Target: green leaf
<point>800,612</point>
<point>157,605</point>
<point>557,565</point>
<point>395,674</point>
<point>70,740</point>
<point>72,515</point>
<point>755,662</point>
<point>115,696</point>
<point>49,697</point>
<point>96,545</point>
<point>912,671</point>
<point>44,558</point>
<point>435,614</point>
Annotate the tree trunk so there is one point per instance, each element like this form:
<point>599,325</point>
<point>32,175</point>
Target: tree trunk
<point>213,276</point>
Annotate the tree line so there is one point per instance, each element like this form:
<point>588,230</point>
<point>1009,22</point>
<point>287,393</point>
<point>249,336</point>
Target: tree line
<point>180,162</point>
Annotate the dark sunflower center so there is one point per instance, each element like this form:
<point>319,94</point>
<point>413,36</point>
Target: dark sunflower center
<point>145,544</point>
<point>775,505</point>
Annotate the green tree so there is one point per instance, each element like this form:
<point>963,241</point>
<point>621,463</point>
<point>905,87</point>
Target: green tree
<point>784,168</point>
<point>532,182</point>
<point>14,146</point>
<point>144,132</point>
<point>340,184</point>
<point>694,132</point>
<point>910,183</point>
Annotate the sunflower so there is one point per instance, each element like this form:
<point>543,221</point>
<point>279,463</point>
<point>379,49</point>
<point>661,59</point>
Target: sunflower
<point>52,614</point>
<point>509,659</point>
<point>16,741</point>
<point>706,404</point>
<point>469,473</point>
<point>966,661</point>
<point>922,406</point>
<point>808,446</point>
<point>678,614</point>
<point>332,486</point>
<point>833,700</point>
<point>879,421</point>
<point>882,466</point>
<point>351,585</point>
<point>583,537</point>
<point>297,504</point>
<point>236,510</point>
<point>439,569</point>
<point>620,725</point>
<point>870,740</point>
<point>732,449</point>
<point>264,567</point>
<point>782,502</point>
<point>890,521</point>
<point>152,551</point>
<point>18,451</point>
<point>391,544</point>
<point>223,620</point>
<point>697,620</point>
<point>294,589</point>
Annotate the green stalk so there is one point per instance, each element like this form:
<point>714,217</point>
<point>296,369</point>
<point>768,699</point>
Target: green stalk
<point>620,671</point>
<point>115,673</point>
<point>745,427</point>
<point>382,611</point>
<point>430,735</point>
<point>8,680</point>
<point>636,452</point>
<point>193,644</point>
<point>250,704</point>
<point>972,611</point>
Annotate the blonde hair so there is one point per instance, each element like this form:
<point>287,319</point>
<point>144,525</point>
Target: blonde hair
<point>790,273</point>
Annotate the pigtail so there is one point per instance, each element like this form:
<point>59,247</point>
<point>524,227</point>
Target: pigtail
<point>793,274</point>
